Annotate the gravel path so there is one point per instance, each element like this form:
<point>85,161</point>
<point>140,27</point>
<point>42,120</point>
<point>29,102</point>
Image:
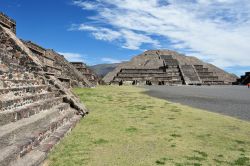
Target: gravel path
<point>228,100</point>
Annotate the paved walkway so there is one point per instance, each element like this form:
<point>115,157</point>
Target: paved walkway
<point>228,100</point>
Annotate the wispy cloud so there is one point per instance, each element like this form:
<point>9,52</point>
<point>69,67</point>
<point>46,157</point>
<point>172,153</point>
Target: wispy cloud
<point>87,5</point>
<point>73,57</point>
<point>128,39</point>
<point>111,60</point>
<point>218,30</point>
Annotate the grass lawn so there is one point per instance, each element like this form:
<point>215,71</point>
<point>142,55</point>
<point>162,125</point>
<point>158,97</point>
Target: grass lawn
<point>127,127</point>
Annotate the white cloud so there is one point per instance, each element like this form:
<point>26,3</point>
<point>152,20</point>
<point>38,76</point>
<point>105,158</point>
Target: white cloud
<point>76,57</point>
<point>134,40</point>
<point>128,38</point>
<point>72,57</point>
<point>111,60</point>
<point>87,5</point>
<point>106,34</point>
<point>218,30</point>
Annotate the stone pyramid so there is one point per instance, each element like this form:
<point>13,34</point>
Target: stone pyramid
<point>36,108</point>
<point>166,67</point>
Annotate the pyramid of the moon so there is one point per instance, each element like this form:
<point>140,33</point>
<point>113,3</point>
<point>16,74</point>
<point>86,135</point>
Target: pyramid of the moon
<point>165,67</point>
<point>37,108</point>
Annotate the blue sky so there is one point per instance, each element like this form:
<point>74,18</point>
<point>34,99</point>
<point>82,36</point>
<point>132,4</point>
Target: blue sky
<point>106,31</point>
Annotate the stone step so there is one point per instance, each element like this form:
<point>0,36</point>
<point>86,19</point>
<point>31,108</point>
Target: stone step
<point>169,77</point>
<point>141,71</point>
<point>170,70</point>
<point>218,82</point>
<point>58,134</point>
<point>203,70</point>
<point>34,158</point>
<point>28,110</point>
<point>12,83</point>
<point>173,82</point>
<point>190,75</point>
<point>122,75</point>
<point>18,91</point>
<point>33,139</point>
<point>146,78</point>
<point>32,133</point>
<point>209,79</point>
<point>208,76</point>
<point>170,80</point>
<point>10,132</point>
<point>17,81</point>
<point>205,73</point>
<point>17,102</point>
<point>6,157</point>
<point>39,154</point>
<point>154,82</point>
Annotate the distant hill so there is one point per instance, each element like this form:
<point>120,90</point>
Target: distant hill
<point>102,69</point>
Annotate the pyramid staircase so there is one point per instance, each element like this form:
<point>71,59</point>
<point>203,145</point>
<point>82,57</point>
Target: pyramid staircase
<point>172,69</point>
<point>190,75</point>
<point>207,77</point>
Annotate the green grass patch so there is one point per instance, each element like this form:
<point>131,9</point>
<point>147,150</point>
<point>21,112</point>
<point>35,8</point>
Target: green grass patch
<point>173,146</point>
<point>203,154</point>
<point>100,141</point>
<point>127,127</point>
<point>131,129</point>
<point>175,135</point>
<point>160,162</point>
<point>242,161</point>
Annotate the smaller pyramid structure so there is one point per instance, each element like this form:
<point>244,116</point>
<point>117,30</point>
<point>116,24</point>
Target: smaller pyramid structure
<point>87,72</point>
<point>244,79</point>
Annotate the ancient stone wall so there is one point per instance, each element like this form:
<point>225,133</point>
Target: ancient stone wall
<point>68,70</point>
<point>36,109</point>
<point>56,65</point>
<point>8,22</point>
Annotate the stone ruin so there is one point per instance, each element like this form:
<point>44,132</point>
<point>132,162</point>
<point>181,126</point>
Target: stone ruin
<point>243,80</point>
<point>88,73</point>
<point>36,106</point>
<point>165,67</point>
<point>7,22</point>
<point>56,65</point>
